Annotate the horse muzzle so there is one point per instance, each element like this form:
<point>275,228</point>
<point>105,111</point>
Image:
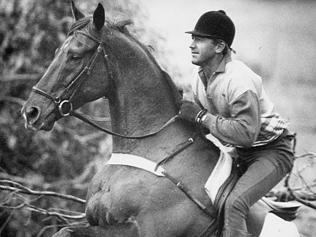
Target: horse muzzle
<point>31,115</point>
<point>34,118</point>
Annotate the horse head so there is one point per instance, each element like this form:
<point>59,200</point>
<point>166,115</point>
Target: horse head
<point>70,73</point>
<point>99,58</point>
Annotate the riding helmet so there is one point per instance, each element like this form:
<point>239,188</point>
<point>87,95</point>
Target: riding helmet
<point>215,25</point>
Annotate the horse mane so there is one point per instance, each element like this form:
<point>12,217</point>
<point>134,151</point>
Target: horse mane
<point>174,90</point>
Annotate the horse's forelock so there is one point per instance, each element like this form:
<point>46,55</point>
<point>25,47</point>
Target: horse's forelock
<point>77,25</point>
<point>84,24</point>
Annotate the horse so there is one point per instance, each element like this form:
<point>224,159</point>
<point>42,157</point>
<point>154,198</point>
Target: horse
<point>163,194</point>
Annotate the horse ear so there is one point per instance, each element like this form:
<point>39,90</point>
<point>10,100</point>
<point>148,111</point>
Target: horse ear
<point>99,17</point>
<point>75,12</point>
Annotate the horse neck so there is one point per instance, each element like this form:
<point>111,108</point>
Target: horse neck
<point>143,99</point>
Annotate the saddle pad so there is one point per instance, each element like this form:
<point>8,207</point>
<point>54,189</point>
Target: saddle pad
<point>221,171</point>
<point>219,175</point>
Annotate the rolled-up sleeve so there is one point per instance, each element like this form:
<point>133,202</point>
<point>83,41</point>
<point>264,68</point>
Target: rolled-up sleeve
<point>242,127</point>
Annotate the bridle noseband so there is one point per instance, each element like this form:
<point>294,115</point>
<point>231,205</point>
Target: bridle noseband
<point>65,107</point>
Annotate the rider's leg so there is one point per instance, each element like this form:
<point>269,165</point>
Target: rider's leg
<point>267,165</point>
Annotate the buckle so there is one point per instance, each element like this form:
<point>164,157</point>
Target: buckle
<point>64,108</point>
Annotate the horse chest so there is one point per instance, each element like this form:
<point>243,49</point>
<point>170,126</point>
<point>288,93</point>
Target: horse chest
<point>117,194</point>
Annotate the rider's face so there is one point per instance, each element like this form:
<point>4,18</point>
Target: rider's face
<point>203,50</point>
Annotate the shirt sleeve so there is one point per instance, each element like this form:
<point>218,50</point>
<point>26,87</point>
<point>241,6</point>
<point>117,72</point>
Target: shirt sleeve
<point>242,128</point>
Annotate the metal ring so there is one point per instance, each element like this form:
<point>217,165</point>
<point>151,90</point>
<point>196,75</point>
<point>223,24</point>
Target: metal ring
<point>61,108</point>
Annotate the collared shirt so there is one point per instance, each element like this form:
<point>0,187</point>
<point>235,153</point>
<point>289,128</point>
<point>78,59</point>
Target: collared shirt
<point>240,113</point>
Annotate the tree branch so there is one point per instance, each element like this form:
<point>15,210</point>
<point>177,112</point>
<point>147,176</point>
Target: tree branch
<point>22,189</point>
<point>302,197</point>
<point>296,197</point>
<point>59,215</point>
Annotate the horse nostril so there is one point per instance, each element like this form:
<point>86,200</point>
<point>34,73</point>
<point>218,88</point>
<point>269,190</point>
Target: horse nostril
<point>32,113</point>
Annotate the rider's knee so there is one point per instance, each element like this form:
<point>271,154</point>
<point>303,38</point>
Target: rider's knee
<point>236,204</point>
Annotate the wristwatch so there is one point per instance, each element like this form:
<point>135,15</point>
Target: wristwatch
<point>200,115</point>
<point>203,118</point>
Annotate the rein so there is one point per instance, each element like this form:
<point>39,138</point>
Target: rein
<point>65,107</point>
<point>88,121</point>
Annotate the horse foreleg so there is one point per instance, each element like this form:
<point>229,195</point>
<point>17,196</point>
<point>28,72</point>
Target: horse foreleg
<point>119,230</point>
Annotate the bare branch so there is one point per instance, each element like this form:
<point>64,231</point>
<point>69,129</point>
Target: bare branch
<point>22,189</point>
<point>54,213</point>
<point>299,199</point>
<point>64,211</point>
<point>20,186</point>
<point>308,154</point>
<point>61,216</point>
<point>300,196</point>
<point>6,176</point>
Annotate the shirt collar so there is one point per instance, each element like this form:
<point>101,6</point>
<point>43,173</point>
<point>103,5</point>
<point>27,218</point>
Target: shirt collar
<point>205,75</point>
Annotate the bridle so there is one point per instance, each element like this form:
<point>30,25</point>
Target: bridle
<point>64,106</point>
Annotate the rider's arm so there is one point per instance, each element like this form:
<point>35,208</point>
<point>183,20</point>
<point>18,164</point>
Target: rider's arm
<point>242,128</point>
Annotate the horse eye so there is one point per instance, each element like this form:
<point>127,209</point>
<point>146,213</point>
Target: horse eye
<point>75,56</point>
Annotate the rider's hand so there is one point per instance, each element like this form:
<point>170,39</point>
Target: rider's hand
<point>189,111</point>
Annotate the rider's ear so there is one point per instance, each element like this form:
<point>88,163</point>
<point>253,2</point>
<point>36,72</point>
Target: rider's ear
<point>99,17</point>
<point>220,46</point>
<point>75,12</point>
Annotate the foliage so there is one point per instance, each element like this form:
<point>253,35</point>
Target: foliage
<point>65,159</point>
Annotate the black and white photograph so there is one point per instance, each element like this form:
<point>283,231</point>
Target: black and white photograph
<point>144,118</point>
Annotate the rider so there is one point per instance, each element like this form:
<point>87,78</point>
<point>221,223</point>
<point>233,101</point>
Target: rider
<point>232,104</point>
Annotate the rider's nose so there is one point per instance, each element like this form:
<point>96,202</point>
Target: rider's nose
<point>32,113</point>
<point>192,45</point>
